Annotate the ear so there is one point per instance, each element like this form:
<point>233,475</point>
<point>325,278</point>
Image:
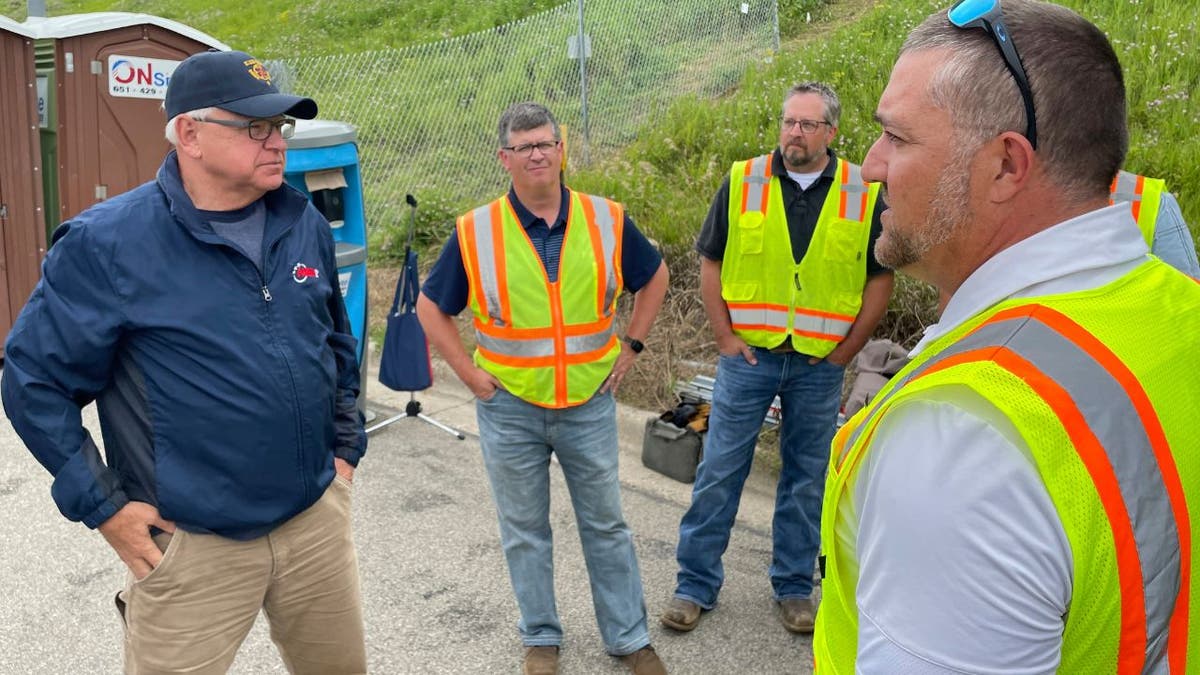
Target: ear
<point>1012,160</point>
<point>188,132</point>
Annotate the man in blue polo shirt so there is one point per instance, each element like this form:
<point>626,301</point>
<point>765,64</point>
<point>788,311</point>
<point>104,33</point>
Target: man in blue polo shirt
<point>541,269</point>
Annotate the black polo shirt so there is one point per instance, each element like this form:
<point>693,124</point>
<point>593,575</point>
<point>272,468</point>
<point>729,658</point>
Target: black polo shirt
<point>803,209</point>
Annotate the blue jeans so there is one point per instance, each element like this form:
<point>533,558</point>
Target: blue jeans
<point>517,439</point>
<point>810,396</point>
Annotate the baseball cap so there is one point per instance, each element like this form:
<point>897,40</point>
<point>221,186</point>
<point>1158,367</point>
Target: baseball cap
<point>233,81</point>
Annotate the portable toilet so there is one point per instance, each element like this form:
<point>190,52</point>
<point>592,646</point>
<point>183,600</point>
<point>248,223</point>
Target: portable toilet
<point>105,75</point>
<point>322,162</point>
<point>22,233</point>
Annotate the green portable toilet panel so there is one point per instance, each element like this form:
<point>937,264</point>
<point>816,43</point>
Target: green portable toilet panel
<point>322,162</point>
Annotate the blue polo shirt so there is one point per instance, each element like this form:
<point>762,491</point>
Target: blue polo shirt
<point>447,284</point>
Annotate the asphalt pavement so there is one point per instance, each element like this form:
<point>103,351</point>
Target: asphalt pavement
<point>435,588</point>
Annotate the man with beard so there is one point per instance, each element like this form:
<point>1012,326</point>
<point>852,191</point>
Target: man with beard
<point>1019,498</point>
<point>792,291</point>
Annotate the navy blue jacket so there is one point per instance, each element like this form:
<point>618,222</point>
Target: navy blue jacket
<point>224,393</point>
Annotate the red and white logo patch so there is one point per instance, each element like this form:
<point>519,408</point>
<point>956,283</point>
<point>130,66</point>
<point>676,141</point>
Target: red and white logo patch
<point>302,273</point>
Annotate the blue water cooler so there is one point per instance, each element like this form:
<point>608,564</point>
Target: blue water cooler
<point>322,162</point>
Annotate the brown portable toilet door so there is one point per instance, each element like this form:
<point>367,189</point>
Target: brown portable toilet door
<point>111,137</point>
<point>129,116</point>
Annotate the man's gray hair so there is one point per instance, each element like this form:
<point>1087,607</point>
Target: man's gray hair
<point>172,135</point>
<point>833,106</point>
<point>525,116</point>
<point>1078,90</point>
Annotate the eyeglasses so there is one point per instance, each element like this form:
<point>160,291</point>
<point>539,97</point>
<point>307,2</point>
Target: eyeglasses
<point>259,130</point>
<point>526,149</point>
<point>807,126</point>
<point>986,14</point>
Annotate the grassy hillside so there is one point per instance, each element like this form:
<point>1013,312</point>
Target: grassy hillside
<point>277,29</point>
<point>272,29</point>
<point>669,174</point>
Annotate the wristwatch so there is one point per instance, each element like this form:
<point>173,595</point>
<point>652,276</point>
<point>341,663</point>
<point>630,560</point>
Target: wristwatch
<point>635,345</point>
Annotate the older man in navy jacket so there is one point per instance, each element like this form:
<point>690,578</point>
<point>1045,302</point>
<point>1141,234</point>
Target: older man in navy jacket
<point>201,312</point>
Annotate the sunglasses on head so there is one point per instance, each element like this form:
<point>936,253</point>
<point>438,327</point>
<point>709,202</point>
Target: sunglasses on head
<point>986,14</point>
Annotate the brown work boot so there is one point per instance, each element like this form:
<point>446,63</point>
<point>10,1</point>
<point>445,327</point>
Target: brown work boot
<point>645,662</point>
<point>680,614</point>
<point>541,660</point>
<point>798,614</point>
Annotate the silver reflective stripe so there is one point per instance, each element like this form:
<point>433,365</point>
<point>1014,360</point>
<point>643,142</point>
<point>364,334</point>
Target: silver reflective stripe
<point>608,245</point>
<point>755,184</point>
<point>581,344</point>
<point>544,347</point>
<point>1126,188</point>
<point>1112,416</point>
<point>485,255</point>
<point>523,348</point>
<point>758,317</point>
<point>852,191</point>
<point>821,324</point>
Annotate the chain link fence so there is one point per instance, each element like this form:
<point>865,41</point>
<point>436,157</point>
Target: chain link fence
<point>426,115</point>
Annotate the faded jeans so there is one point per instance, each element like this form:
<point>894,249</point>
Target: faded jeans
<point>517,438</point>
<point>810,396</point>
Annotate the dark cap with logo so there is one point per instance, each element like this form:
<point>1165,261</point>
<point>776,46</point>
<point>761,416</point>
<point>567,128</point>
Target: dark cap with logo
<point>233,81</point>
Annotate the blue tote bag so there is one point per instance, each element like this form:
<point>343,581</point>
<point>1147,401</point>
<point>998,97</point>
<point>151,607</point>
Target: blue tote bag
<point>405,364</point>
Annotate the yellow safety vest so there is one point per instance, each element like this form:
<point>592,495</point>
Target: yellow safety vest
<point>770,297</point>
<point>549,343</point>
<point>1144,195</point>
<point>1103,385</point>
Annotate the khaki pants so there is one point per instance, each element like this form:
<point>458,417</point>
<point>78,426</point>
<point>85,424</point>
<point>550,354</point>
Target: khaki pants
<point>192,612</point>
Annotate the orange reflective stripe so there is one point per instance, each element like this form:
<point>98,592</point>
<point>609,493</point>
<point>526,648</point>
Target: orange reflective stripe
<point>597,249</point>
<point>825,315</point>
<point>757,305</point>
<point>466,229</point>
<point>1177,635</point>
<point>1137,203</point>
<point>618,226</point>
<point>842,193</point>
<point>544,333</point>
<point>560,346</point>
<point>762,327</point>
<point>819,336</point>
<point>508,333</point>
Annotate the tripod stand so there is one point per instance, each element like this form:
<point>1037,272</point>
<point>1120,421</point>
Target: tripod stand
<point>413,409</point>
<point>405,365</point>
